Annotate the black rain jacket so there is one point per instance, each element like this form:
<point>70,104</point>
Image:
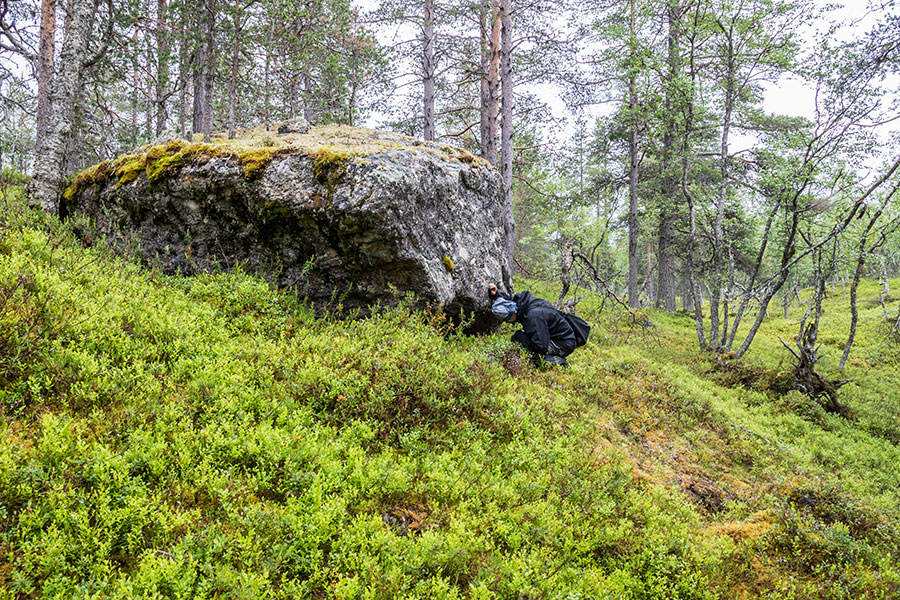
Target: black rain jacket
<point>541,322</point>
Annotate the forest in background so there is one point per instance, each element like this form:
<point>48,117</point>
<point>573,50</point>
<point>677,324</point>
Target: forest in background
<point>652,203</point>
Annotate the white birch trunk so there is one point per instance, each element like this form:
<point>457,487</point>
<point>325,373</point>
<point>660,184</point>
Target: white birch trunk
<point>49,163</point>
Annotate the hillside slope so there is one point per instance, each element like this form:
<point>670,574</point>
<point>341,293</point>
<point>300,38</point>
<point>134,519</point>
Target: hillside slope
<point>207,437</point>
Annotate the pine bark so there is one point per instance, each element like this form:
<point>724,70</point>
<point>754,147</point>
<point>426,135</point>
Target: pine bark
<point>506,116</point>
<point>45,68</point>
<point>135,84</point>
<point>692,218</point>
<point>490,80</point>
<point>184,65</point>
<point>633,231</point>
<point>49,163</point>
<point>719,227</point>
<point>235,63</point>
<point>665,297</point>
<point>428,68</point>
<point>203,72</point>
<point>162,63</point>
<point>267,103</point>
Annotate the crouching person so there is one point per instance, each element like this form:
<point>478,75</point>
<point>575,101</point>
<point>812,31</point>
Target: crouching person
<point>546,332</point>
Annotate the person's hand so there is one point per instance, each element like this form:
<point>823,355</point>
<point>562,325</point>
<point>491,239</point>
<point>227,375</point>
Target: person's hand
<point>492,290</point>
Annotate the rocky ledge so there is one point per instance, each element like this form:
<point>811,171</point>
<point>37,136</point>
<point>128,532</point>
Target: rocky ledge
<point>338,212</point>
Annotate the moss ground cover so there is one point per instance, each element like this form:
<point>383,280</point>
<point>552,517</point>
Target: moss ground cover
<point>208,437</point>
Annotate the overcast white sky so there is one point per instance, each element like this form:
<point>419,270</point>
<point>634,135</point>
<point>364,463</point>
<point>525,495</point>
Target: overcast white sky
<point>792,97</point>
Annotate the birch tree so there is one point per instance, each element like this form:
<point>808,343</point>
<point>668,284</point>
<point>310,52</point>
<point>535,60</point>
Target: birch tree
<point>753,42</point>
<point>75,57</point>
<point>865,248</point>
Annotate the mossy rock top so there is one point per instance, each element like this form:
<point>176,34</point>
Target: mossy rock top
<point>326,145</point>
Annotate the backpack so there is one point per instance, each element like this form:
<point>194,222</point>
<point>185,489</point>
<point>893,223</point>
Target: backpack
<point>579,326</point>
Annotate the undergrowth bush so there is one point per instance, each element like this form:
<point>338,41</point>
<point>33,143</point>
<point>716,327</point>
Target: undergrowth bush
<point>210,437</point>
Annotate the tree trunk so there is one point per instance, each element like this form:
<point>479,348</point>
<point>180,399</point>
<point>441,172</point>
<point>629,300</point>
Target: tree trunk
<point>745,301</point>
<point>775,286</point>
<point>68,13</point>
<point>490,80</point>
<point>75,147</point>
<point>854,313</point>
<point>45,66</point>
<point>162,64</point>
<point>648,284</point>
<point>565,270</point>
<point>135,84</point>
<point>692,218</point>
<point>806,379</point>
<point>184,64</point>
<point>307,88</point>
<point>689,259</point>
<point>50,159</point>
<point>633,231</point>
<point>726,299</point>
<point>199,61</point>
<point>428,70</point>
<point>203,72</point>
<point>235,61</point>
<point>719,228</point>
<point>862,252</point>
<point>210,69</point>
<point>506,116</point>
<point>267,110</point>
<point>149,93</point>
<point>665,297</point>
<point>665,262</point>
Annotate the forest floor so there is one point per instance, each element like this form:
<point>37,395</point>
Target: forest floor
<point>209,437</point>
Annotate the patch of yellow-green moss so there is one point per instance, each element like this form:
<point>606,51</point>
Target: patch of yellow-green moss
<point>448,263</point>
<point>129,167</point>
<point>158,162</point>
<point>468,158</point>
<point>329,167</point>
<point>254,161</point>
<point>90,176</point>
<point>161,160</point>
<point>330,164</point>
<point>163,166</point>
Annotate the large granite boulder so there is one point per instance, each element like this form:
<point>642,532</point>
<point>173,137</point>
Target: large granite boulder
<point>338,212</point>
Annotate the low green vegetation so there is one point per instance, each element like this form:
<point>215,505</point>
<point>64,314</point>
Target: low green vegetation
<point>208,437</point>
